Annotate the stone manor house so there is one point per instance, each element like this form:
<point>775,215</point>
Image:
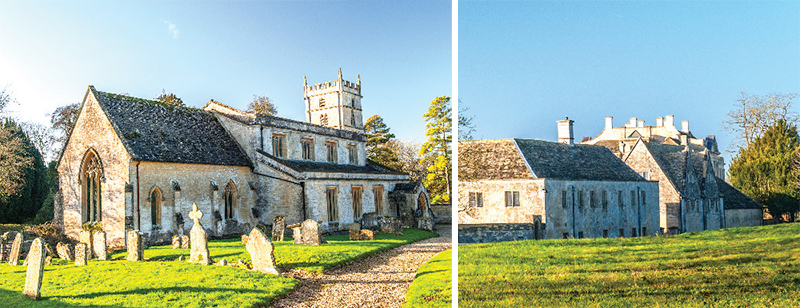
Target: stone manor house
<point>133,163</point>
<point>565,190</point>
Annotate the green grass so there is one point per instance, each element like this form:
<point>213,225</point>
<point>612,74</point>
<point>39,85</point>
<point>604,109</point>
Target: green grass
<point>737,267</point>
<point>432,284</point>
<point>316,259</point>
<point>162,282</point>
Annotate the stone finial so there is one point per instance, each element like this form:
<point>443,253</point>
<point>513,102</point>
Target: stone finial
<point>358,79</point>
<point>305,81</point>
<point>195,214</point>
<point>340,73</point>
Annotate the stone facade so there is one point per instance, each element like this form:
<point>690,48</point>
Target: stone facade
<point>489,233</point>
<point>155,161</point>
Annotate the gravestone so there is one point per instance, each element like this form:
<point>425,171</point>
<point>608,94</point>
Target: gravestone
<point>278,228</point>
<point>261,250</point>
<point>297,233</point>
<point>16,249</point>
<point>35,272</point>
<point>366,235</point>
<point>181,258</point>
<point>64,251</point>
<point>244,239</point>
<point>199,239</point>
<point>135,247</point>
<point>185,242</point>
<point>355,231</point>
<point>99,247</point>
<point>369,220</point>
<point>425,223</point>
<point>3,252</point>
<point>81,254</point>
<point>223,262</point>
<point>310,233</point>
<point>391,224</point>
<point>86,237</point>
<point>176,242</point>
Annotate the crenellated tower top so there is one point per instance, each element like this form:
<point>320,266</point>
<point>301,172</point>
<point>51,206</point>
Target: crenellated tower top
<point>335,104</point>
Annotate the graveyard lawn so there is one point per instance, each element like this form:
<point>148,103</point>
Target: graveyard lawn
<point>432,284</point>
<point>737,267</point>
<point>164,282</point>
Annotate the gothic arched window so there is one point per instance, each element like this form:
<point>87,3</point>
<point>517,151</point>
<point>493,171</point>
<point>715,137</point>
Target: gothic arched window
<point>92,175</point>
<point>230,199</point>
<point>352,118</point>
<point>156,200</point>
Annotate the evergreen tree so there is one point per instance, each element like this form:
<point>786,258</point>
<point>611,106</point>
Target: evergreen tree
<point>23,184</point>
<point>765,171</point>
<point>378,136</point>
<point>436,150</point>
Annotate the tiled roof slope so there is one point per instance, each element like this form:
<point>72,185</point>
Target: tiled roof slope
<point>313,166</point>
<point>735,199</point>
<point>490,160</point>
<point>672,160</point>
<point>152,131</point>
<point>553,160</point>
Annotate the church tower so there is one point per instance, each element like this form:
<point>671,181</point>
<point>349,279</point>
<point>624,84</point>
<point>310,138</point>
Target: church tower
<point>335,104</point>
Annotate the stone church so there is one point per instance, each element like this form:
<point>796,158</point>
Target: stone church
<point>690,172</point>
<point>563,189</point>
<point>134,163</point>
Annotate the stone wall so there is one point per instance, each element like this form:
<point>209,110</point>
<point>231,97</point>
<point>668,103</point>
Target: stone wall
<point>640,160</point>
<point>489,233</point>
<point>743,218</point>
<point>443,213</point>
<point>94,131</point>
<point>494,210</point>
<point>594,220</point>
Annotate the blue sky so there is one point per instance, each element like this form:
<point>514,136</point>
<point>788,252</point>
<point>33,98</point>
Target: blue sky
<point>229,51</point>
<point>525,65</point>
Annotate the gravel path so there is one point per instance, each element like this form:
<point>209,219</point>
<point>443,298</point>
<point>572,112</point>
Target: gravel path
<point>376,281</point>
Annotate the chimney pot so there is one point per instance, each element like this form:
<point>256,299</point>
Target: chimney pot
<point>640,123</point>
<point>632,123</point>
<point>659,121</point>
<point>669,121</point>
<point>685,126</point>
<point>609,123</point>
<point>565,131</point>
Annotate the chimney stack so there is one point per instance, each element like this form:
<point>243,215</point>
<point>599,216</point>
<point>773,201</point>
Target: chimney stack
<point>609,123</point>
<point>640,123</point>
<point>685,126</point>
<point>632,123</point>
<point>668,122</point>
<point>565,131</point>
<point>659,121</point>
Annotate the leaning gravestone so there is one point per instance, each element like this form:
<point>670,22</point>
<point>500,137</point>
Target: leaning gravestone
<point>199,248</point>
<point>64,251</point>
<point>86,237</point>
<point>176,242</point>
<point>278,228</point>
<point>310,233</point>
<point>297,233</point>
<point>16,249</point>
<point>35,272</point>
<point>261,250</point>
<point>99,247</point>
<point>185,242</point>
<point>81,254</point>
<point>355,231</point>
<point>135,247</point>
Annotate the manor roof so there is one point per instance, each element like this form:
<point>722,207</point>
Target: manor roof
<point>735,199</point>
<point>314,166</point>
<point>528,159</point>
<point>153,131</point>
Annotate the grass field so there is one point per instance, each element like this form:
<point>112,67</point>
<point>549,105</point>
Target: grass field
<point>432,286</point>
<point>162,282</point>
<point>737,267</point>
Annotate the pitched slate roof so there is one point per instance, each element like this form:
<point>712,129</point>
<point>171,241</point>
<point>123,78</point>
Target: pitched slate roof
<point>672,160</point>
<point>735,199</point>
<point>313,166</point>
<point>152,131</point>
<point>553,160</point>
<point>490,160</point>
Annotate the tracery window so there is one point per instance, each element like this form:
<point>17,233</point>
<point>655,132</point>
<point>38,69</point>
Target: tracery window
<point>156,200</point>
<point>230,199</point>
<point>92,175</point>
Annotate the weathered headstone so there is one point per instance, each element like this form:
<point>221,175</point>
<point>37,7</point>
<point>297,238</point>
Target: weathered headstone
<point>278,228</point>
<point>181,258</point>
<point>185,242</point>
<point>64,251</point>
<point>35,272</point>
<point>81,253</point>
<point>176,242</point>
<point>223,262</point>
<point>3,252</point>
<point>16,249</point>
<point>135,247</point>
<point>425,223</point>
<point>310,233</point>
<point>297,233</point>
<point>199,247</point>
<point>369,220</point>
<point>261,250</point>
<point>366,235</point>
<point>99,247</point>
<point>390,224</point>
<point>86,237</point>
<point>355,231</point>
<point>244,239</point>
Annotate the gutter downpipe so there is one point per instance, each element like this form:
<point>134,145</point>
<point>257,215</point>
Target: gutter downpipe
<point>138,208</point>
<point>303,189</point>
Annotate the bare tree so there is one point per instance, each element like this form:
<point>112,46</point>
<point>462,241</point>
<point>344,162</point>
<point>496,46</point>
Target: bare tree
<point>63,120</point>
<point>465,125</point>
<point>5,98</point>
<point>753,115</point>
<point>407,153</point>
<point>42,137</point>
<point>262,105</point>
